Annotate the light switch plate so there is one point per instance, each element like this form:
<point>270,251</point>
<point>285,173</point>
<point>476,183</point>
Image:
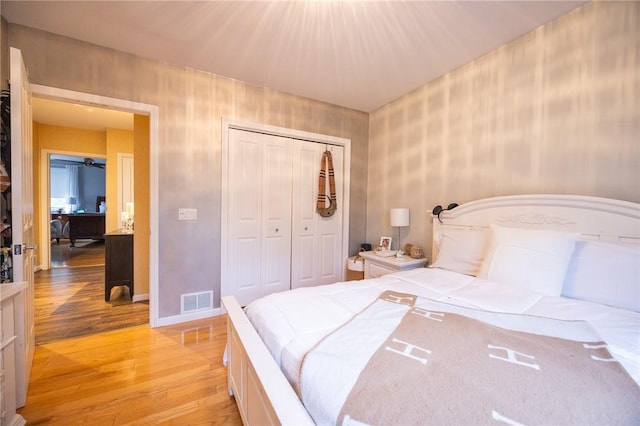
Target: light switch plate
<point>187,214</point>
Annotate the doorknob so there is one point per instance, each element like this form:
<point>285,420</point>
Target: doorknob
<point>19,248</point>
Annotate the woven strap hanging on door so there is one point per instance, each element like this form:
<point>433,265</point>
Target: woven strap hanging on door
<point>326,162</point>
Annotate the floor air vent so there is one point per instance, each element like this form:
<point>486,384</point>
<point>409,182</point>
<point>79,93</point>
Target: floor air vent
<point>193,302</point>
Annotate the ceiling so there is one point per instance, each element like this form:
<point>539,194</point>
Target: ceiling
<point>78,116</point>
<point>357,54</point>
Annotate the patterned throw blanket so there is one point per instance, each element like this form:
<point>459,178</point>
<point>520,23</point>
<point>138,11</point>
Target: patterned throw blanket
<point>409,360</point>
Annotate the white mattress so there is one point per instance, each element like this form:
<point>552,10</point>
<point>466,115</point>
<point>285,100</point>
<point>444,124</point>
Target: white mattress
<point>291,323</point>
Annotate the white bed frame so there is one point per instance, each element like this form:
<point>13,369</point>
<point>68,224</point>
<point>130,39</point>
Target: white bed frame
<point>262,392</point>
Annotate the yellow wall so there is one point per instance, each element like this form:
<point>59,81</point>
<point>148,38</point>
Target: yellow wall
<point>81,142</point>
<point>141,201</point>
<point>61,140</point>
<point>118,141</point>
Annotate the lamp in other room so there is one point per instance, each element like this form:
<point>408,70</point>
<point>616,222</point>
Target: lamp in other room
<point>71,202</point>
<point>400,219</point>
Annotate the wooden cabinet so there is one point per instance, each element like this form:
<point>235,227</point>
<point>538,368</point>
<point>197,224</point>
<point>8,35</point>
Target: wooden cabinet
<point>86,225</point>
<point>376,266</point>
<point>118,262</point>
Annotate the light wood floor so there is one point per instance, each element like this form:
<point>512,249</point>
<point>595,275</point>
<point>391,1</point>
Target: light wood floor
<point>135,376</point>
<point>85,253</point>
<point>69,301</point>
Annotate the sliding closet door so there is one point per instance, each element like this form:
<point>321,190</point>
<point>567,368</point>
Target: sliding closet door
<point>259,212</point>
<point>316,257</point>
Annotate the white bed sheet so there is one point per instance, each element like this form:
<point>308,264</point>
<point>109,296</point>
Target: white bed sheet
<point>291,323</point>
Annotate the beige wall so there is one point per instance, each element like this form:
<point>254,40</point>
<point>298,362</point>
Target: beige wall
<point>556,111</point>
<point>191,106</point>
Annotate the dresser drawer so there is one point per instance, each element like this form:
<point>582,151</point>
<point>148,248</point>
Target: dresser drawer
<point>375,271</point>
<point>376,266</point>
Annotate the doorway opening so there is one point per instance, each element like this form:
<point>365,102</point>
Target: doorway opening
<point>77,186</point>
<point>143,298</point>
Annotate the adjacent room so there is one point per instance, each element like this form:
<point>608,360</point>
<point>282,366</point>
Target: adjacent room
<point>70,287</point>
<point>335,168</point>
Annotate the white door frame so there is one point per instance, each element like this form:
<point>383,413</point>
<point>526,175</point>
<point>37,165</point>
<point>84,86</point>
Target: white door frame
<point>22,222</point>
<point>45,200</point>
<point>289,133</point>
<point>152,111</point>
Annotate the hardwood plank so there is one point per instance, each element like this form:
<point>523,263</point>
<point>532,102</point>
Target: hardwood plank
<point>85,253</point>
<point>86,371</point>
<point>136,376</point>
<point>69,302</point>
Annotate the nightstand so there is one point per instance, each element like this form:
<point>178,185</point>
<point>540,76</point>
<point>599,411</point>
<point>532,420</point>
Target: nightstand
<point>376,266</point>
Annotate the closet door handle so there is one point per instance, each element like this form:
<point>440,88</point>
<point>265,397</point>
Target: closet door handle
<point>277,229</point>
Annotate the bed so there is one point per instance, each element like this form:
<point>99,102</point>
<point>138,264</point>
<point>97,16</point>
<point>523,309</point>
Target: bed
<point>528,314</point>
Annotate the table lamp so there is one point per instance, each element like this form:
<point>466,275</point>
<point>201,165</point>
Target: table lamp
<point>399,219</point>
<point>71,202</point>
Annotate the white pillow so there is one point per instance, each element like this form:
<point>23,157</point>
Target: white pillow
<point>461,250</point>
<point>528,258</point>
<point>606,273</point>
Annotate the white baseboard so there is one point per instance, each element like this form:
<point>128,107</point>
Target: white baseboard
<point>177,319</point>
<point>139,297</point>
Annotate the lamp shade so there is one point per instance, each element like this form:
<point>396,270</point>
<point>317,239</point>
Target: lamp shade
<point>399,217</point>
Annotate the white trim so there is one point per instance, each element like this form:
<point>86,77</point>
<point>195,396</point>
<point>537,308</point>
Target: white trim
<point>45,188</point>
<point>288,133</point>
<point>140,297</point>
<point>252,371</point>
<point>154,142</point>
<point>178,319</point>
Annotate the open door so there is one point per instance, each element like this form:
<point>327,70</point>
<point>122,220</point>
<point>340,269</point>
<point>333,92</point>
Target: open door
<point>22,219</point>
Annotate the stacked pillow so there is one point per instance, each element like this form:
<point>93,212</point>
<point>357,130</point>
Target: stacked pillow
<point>550,262</point>
<point>461,250</point>
<point>533,259</point>
<point>605,272</point>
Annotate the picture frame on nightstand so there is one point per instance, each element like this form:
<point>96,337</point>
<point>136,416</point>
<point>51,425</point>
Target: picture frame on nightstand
<point>385,243</point>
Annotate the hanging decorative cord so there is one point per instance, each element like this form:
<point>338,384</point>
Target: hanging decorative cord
<point>326,163</point>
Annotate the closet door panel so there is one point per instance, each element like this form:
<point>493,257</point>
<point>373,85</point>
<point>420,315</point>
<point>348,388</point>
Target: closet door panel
<point>316,254</point>
<point>276,214</point>
<point>327,264</point>
<point>303,264</point>
<point>305,183</point>
<point>245,227</point>
<point>329,230</point>
<point>247,280</point>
